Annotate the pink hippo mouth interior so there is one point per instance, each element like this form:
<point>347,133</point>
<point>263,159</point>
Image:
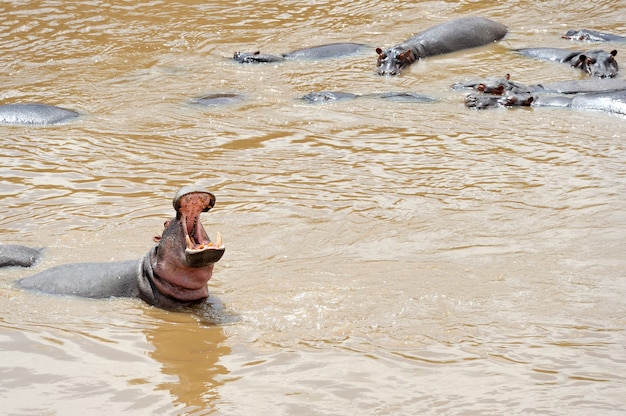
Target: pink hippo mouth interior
<point>199,249</point>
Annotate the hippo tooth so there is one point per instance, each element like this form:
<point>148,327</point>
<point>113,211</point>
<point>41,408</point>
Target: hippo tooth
<point>189,243</point>
<point>218,240</point>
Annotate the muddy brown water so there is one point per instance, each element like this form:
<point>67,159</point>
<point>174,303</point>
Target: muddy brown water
<point>382,257</point>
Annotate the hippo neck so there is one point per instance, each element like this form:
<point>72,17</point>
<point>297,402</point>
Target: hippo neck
<point>161,293</point>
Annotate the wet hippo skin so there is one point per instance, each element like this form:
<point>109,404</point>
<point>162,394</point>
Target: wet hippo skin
<point>455,35</point>
<point>34,114</point>
<point>174,272</point>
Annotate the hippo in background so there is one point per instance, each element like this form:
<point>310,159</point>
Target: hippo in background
<point>18,256</point>
<point>455,35</point>
<point>173,273</point>
<point>331,50</point>
<point>35,114</point>
<point>596,63</point>
<point>500,85</point>
<point>589,35</point>
<point>398,96</point>
<point>608,95</point>
<point>610,102</point>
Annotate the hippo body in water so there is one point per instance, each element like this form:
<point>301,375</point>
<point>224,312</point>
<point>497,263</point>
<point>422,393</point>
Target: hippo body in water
<point>326,96</point>
<point>14,255</point>
<point>610,102</point>
<point>498,86</point>
<point>597,63</point>
<point>34,114</point>
<point>589,35</point>
<point>331,50</point>
<point>174,272</point>
<point>455,35</point>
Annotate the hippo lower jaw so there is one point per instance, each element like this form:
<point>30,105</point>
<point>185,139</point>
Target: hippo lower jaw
<point>205,253</point>
<point>182,263</point>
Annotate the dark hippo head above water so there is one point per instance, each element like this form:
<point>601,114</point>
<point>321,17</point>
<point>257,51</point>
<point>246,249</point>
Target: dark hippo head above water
<point>174,272</point>
<point>597,63</point>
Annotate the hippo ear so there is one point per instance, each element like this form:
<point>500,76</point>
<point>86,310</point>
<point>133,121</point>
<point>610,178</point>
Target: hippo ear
<point>406,55</point>
<point>380,52</point>
<point>614,52</point>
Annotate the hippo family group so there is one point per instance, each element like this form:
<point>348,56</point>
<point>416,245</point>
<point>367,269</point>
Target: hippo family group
<point>176,270</point>
<point>455,35</point>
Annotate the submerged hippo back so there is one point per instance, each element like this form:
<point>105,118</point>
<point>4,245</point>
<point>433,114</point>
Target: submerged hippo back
<point>332,50</point>
<point>31,113</point>
<point>464,33</point>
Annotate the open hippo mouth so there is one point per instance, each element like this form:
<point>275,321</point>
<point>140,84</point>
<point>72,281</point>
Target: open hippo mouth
<point>189,203</point>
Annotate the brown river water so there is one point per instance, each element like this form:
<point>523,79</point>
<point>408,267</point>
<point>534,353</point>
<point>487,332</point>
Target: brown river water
<point>383,258</point>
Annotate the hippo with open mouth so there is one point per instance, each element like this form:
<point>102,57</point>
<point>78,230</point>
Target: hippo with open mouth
<point>174,272</point>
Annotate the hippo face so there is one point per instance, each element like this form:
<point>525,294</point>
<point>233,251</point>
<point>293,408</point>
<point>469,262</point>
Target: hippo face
<point>598,63</point>
<point>184,258</point>
<point>393,60</point>
<point>481,101</point>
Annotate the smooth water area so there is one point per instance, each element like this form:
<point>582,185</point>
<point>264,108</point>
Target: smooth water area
<point>382,257</point>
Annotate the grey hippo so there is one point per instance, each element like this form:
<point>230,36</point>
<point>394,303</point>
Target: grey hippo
<point>589,35</point>
<point>35,114</point>
<point>499,86</point>
<point>331,50</point>
<point>399,96</point>
<point>610,102</point>
<point>15,255</point>
<point>173,273</point>
<point>608,95</point>
<point>455,35</point>
<point>597,63</point>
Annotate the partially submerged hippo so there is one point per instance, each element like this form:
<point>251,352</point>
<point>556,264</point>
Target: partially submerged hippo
<point>597,63</point>
<point>592,36</point>
<point>610,102</point>
<point>219,99</point>
<point>325,96</point>
<point>20,256</point>
<point>495,86</point>
<point>331,50</point>
<point>34,113</point>
<point>174,272</point>
<point>463,33</point>
<point>499,86</point>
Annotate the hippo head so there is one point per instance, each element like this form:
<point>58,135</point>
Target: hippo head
<point>597,63</point>
<point>255,57</point>
<point>182,262</point>
<point>393,60</point>
<point>482,101</point>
